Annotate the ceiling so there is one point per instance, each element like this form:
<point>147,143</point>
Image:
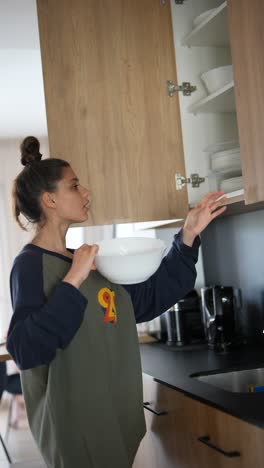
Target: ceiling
<point>22,104</point>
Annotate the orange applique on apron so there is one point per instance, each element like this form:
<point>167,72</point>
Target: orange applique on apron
<point>106,299</point>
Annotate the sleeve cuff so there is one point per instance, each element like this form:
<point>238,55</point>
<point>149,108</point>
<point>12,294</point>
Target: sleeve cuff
<point>186,249</point>
<point>74,293</point>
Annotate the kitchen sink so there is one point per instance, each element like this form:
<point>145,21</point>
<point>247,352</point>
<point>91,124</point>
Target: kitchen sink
<point>234,381</point>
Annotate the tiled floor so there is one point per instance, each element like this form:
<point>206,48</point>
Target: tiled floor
<point>21,445</point>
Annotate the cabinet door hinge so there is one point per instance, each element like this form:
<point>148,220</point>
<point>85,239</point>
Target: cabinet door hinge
<point>194,179</point>
<point>186,88</point>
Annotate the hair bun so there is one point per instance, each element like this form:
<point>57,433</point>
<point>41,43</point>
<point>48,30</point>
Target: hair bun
<point>30,150</point>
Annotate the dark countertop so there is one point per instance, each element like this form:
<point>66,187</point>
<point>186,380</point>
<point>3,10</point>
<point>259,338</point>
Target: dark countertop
<point>173,368</point>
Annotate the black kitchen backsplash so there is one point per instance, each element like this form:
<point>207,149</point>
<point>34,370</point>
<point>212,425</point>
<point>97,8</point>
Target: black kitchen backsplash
<point>233,255</point>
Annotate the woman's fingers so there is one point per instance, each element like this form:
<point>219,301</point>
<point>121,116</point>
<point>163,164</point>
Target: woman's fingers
<point>214,205</point>
<point>212,194</point>
<point>218,212</point>
<point>210,197</point>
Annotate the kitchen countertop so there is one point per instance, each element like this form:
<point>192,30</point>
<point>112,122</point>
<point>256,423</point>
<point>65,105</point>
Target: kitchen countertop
<point>174,367</point>
<point>4,355</point>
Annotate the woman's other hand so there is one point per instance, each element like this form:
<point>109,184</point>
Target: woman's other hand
<point>201,215</point>
<point>82,264</point>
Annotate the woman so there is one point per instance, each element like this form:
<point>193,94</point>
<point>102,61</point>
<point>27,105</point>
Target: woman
<point>80,365</point>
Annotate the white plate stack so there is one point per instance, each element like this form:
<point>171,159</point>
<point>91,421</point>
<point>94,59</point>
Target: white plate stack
<point>231,185</point>
<point>225,165</point>
<point>227,162</point>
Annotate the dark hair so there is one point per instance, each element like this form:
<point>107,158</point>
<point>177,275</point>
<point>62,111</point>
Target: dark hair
<point>36,177</point>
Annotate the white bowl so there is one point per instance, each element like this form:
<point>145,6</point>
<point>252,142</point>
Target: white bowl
<point>199,19</point>
<point>217,78</point>
<point>129,260</point>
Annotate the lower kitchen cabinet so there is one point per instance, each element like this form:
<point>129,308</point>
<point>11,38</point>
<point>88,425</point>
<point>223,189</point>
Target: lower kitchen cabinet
<point>229,442</point>
<point>184,433</point>
<point>165,444</point>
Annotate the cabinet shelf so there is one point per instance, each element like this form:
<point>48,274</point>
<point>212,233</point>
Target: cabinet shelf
<point>232,198</point>
<point>237,195</point>
<point>222,100</point>
<point>157,224</point>
<point>213,31</point>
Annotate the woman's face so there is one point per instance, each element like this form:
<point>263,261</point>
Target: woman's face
<point>71,200</point>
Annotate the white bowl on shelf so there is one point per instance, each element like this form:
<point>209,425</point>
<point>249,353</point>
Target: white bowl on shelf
<point>199,19</point>
<point>231,185</point>
<point>226,161</point>
<point>129,260</point>
<point>217,78</point>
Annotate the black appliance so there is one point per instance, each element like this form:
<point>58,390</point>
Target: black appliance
<point>160,329</point>
<point>220,305</point>
<point>184,321</point>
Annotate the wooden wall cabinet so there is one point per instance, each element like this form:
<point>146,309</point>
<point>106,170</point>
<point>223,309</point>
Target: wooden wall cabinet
<point>188,434</point>
<point>105,67</point>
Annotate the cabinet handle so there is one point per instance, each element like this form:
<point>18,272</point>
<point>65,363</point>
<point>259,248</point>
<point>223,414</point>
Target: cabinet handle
<point>154,410</point>
<point>206,440</point>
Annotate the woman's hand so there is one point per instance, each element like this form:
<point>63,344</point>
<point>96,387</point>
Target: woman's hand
<point>82,264</point>
<point>201,215</point>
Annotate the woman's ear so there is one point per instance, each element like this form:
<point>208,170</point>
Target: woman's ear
<point>48,200</point>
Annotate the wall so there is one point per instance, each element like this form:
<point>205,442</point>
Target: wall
<point>232,255</point>
<point>12,237</point>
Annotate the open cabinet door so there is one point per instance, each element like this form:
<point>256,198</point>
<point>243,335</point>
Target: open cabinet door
<point>247,41</point>
<point>105,67</point>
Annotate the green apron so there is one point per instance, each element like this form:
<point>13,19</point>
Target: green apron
<point>85,409</point>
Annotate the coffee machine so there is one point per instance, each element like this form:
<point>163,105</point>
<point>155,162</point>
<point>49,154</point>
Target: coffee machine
<point>220,305</point>
<point>184,321</point>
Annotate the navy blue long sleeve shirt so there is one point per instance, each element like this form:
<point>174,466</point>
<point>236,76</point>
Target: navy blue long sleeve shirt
<point>40,325</point>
